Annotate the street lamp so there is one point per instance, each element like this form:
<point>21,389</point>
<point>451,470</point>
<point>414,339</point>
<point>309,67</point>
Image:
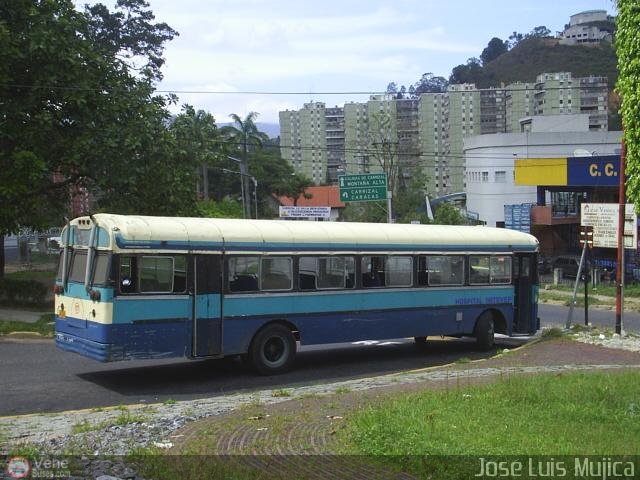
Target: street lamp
<point>244,172</point>
<point>255,187</point>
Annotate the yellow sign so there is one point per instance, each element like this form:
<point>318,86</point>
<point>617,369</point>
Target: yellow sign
<point>541,171</point>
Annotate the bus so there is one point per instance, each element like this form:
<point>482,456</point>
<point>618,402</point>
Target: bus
<point>140,287</point>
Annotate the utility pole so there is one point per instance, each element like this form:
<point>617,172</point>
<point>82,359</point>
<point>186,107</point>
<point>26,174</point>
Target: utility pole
<point>621,216</point>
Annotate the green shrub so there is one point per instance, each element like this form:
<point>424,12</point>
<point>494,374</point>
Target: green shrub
<point>22,292</point>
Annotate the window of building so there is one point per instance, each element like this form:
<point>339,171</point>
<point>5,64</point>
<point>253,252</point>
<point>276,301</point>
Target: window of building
<point>485,176</point>
<point>501,176</point>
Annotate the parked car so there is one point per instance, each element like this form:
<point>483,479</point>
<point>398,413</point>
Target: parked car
<point>544,265</point>
<point>568,264</point>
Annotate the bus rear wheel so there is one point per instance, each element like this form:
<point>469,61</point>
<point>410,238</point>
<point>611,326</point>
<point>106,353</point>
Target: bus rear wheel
<point>272,350</point>
<point>485,332</point>
<point>420,342</point>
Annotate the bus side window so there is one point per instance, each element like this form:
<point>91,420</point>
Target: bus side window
<point>307,273</point>
<point>350,270</point>
<point>276,273</point>
<point>399,271</point>
<point>373,272</point>
<point>445,270</point>
<point>423,273</point>
<point>128,277</point>
<point>156,274</point>
<point>180,274</point>
<point>243,274</point>
<point>479,270</point>
<point>501,269</point>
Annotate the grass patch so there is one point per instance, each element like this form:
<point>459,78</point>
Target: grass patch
<point>605,290</point>
<point>577,413</point>
<point>44,326</point>
<point>546,296</point>
<point>463,360</point>
<point>125,417</point>
<point>283,392</point>
<point>343,390</point>
<point>553,332</point>
<point>169,401</point>
<point>43,276</point>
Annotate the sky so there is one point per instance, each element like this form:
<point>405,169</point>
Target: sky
<point>312,47</point>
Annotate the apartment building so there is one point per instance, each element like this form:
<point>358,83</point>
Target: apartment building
<point>303,140</point>
<point>428,133</point>
<point>558,93</point>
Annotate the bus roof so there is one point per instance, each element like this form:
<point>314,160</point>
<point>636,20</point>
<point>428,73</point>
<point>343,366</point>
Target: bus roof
<point>182,233</point>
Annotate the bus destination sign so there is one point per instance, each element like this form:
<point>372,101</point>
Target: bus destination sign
<point>367,187</point>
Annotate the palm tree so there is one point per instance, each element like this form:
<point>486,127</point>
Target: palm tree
<point>245,134</point>
<point>198,137</point>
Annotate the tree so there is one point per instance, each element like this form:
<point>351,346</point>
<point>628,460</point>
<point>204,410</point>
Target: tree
<point>447,214</point>
<point>514,39</point>
<point>410,202</point>
<point>494,49</point>
<point>245,134</point>
<point>471,72</point>
<point>76,115</point>
<point>538,32</point>
<point>429,83</point>
<point>199,142</point>
<point>628,50</point>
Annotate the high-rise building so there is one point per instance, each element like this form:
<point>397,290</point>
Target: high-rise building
<point>427,133</point>
<point>558,93</point>
<point>518,104</point>
<point>303,140</point>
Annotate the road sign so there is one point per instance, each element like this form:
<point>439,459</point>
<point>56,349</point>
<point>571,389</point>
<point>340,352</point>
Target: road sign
<point>305,212</point>
<point>603,217</point>
<point>367,187</point>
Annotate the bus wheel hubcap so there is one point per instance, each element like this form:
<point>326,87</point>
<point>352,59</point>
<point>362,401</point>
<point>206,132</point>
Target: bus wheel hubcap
<point>274,350</point>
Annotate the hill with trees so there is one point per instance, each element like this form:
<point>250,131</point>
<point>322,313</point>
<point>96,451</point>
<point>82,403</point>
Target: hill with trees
<point>536,55</point>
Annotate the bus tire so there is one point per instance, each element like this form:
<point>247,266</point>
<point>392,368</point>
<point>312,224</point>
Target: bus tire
<point>485,332</point>
<point>272,350</point>
<point>420,341</point>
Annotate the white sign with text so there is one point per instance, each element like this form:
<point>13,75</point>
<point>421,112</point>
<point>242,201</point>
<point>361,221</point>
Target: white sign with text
<point>603,217</point>
<point>305,212</point>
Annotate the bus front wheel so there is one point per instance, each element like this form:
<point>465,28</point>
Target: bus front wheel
<point>485,332</point>
<point>272,350</point>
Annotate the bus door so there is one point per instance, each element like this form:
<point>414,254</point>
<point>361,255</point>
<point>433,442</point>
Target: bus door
<point>525,308</point>
<point>207,306</point>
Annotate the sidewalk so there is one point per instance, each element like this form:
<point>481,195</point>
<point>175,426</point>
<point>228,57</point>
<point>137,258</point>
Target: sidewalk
<point>19,315</point>
<point>580,294</point>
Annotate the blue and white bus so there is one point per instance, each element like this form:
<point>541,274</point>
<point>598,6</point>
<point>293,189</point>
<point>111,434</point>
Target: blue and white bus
<point>134,287</point>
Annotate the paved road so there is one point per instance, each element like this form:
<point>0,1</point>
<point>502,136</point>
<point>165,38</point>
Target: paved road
<point>36,377</point>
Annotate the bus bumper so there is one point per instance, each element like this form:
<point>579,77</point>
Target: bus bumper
<point>103,352</point>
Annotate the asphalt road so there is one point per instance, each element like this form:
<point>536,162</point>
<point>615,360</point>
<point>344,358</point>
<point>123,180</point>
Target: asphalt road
<point>37,377</point>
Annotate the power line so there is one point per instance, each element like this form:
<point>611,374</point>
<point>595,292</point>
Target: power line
<point>309,93</point>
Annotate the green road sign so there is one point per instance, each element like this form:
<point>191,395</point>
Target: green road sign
<point>367,187</point>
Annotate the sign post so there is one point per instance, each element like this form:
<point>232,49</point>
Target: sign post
<point>614,226</point>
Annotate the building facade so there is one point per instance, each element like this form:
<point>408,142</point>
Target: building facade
<point>588,28</point>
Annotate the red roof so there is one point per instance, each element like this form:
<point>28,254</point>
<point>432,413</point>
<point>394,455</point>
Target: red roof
<point>328,196</point>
